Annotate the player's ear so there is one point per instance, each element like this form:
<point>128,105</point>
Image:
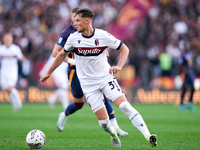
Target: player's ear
<point>88,20</point>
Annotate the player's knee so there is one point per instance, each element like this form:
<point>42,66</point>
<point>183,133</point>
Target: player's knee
<point>126,108</point>
<point>79,105</point>
<point>79,100</point>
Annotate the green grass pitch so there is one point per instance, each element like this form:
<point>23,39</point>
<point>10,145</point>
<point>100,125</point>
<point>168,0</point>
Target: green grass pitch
<point>175,130</point>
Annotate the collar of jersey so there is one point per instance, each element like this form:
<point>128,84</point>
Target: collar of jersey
<point>90,35</point>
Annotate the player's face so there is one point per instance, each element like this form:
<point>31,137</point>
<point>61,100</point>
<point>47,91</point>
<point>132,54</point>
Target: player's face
<point>8,39</point>
<point>73,17</point>
<point>80,23</point>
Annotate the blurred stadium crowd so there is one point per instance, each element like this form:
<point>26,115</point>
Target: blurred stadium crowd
<point>163,27</point>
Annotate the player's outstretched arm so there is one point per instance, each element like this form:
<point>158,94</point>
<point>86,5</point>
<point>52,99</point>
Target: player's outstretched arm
<point>58,60</point>
<point>122,60</point>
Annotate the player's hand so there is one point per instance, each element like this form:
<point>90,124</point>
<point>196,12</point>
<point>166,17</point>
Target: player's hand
<point>43,79</point>
<point>114,69</point>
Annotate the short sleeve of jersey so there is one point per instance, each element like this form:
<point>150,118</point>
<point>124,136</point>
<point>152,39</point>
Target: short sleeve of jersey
<point>68,45</point>
<point>112,42</point>
<point>63,37</point>
<point>61,41</point>
<point>65,34</point>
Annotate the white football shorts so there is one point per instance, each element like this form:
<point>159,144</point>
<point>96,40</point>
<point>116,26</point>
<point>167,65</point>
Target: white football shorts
<point>8,81</point>
<point>94,93</point>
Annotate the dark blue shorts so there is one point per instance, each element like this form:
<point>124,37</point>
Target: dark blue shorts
<point>188,80</point>
<point>189,77</point>
<point>74,83</point>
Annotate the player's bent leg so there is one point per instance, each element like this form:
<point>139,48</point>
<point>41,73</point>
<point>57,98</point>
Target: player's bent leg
<point>105,124</point>
<point>113,119</point>
<point>94,99</point>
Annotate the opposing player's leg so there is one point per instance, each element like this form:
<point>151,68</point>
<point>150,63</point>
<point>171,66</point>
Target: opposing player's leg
<point>113,92</point>
<point>78,100</point>
<point>181,106</point>
<point>77,93</point>
<point>190,105</point>
<point>113,119</point>
<point>71,108</point>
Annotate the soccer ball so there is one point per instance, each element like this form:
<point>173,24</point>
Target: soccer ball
<point>35,139</point>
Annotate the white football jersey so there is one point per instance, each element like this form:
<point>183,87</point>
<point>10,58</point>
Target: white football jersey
<point>9,59</point>
<point>90,55</point>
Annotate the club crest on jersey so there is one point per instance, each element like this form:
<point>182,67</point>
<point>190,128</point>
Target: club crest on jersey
<point>79,41</point>
<point>60,40</point>
<point>96,42</point>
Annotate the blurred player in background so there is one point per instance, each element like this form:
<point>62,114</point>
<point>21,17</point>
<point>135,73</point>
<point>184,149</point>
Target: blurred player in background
<point>95,74</point>
<point>9,56</point>
<point>74,82</point>
<point>61,80</point>
<point>188,77</point>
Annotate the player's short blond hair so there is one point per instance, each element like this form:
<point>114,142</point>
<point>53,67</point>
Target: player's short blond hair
<point>74,10</point>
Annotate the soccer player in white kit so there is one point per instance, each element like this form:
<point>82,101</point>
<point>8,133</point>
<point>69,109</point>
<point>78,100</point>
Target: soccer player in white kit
<point>60,78</point>
<point>9,56</point>
<point>95,74</point>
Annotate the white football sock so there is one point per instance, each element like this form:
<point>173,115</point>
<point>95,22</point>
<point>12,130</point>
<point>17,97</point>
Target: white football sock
<point>106,126</point>
<point>15,99</point>
<point>114,123</point>
<point>53,98</point>
<point>135,117</point>
<point>16,94</point>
